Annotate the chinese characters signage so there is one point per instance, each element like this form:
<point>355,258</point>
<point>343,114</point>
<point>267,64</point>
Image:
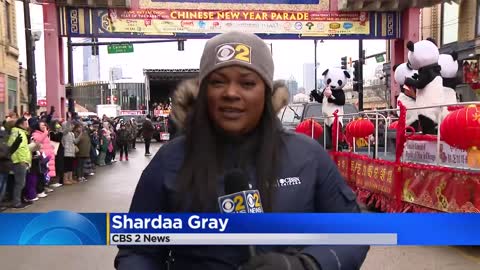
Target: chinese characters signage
<point>426,152</point>
<point>374,175</point>
<point>201,23</point>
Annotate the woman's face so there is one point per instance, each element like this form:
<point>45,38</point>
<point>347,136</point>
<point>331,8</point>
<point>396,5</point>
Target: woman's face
<point>236,99</point>
<point>43,127</point>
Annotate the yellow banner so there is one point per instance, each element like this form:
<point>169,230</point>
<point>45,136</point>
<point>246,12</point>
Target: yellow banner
<point>168,21</point>
<point>319,5</point>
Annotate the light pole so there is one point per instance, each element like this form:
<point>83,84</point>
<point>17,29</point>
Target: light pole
<point>30,47</point>
<point>315,46</point>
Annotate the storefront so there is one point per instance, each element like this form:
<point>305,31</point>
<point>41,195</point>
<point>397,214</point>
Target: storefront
<point>469,74</point>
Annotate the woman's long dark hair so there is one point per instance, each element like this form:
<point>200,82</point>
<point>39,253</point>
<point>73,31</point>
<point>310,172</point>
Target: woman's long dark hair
<point>197,179</point>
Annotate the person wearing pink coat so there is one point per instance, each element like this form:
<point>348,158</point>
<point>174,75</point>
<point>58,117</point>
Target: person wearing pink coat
<point>42,137</point>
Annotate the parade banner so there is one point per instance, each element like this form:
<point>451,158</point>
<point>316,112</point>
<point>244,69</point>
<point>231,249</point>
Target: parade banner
<point>366,173</point>
<point>233,4</point>
<point>203,23</point>
<point>441,189</point>
<point>420,187</point>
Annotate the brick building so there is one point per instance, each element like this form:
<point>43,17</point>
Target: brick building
<point>9,66</point>
<point>456,27</point>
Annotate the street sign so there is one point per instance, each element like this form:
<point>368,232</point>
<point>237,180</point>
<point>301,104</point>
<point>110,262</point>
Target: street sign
<point>120,48</point>
<point>380,58</point>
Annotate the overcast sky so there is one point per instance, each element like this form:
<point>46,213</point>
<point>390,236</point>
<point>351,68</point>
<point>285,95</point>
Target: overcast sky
<point>289,55</point>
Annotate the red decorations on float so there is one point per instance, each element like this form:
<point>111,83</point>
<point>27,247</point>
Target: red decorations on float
<point>305,127</point>
<point>360,128</point>
<point>393,125</point>
<point>461,129</point>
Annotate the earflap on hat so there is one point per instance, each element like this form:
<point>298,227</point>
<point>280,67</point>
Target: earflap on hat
<point>280,95</point>
<point>183,100</point>
<point>186,93</point>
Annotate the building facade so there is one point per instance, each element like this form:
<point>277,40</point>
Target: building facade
<point>456,27</point>
<point>309,76</point>
<point>292,86</point>
<point>9,66</point>
<point>128,95</point>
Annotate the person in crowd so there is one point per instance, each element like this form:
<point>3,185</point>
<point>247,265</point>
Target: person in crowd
<point>94,148</point>
<point>41,135</point>
<point>43,163</point>
<point>123,140</point>
<point>35,184</point>
<point>147,133</point>
<point>69,148</point>
<point>10,121</point>
<point>6,164</point>
<point>234,125</point>
<point>172,128</point>
<point>22,160</point>
<point>112,148</point>
<point>133,132</point>
<point>104,144</point>
<point>83,155</point>
<point>56,136</point>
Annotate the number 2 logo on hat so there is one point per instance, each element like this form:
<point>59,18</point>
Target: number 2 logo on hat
<point>233,51</point>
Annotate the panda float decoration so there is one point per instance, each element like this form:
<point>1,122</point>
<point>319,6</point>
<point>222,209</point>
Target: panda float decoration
<point>423,56</point>
<point>407,96</point>
<point>332,98</point>
<point>449,64</point>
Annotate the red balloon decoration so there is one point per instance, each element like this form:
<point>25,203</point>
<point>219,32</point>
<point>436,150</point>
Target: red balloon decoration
<point>360,128</point>
<point>305,127</point>
<point>461,129</point>
<point>393,125</point>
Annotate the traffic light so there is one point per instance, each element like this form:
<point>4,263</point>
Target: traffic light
<point>344,62</point>
<point>95,48</point>
<point>181,45</point>
<point>356,71</point>
<point>355,86</point>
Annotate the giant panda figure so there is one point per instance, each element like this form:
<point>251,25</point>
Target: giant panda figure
<point>402,72</point>
<point>332,97</point>
<point>449,72</point>
<point>423,56</point>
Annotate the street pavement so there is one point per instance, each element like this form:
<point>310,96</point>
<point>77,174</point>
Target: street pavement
<point>111,189</point>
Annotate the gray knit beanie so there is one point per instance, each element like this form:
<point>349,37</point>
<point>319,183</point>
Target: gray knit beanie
<point>239,49</point>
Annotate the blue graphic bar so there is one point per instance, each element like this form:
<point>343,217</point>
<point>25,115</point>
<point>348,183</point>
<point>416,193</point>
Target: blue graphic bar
<point>53,228</point>
<point>411,229</point>
<point>68,228</point>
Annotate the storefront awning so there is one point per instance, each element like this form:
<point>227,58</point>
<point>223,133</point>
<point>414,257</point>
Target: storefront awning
<point>387,5</point>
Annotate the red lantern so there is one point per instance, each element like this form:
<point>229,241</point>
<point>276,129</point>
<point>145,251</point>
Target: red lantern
<point>393,125</point>
<point>360,128</point>
<point>305,127</point>
<point>461,129</point>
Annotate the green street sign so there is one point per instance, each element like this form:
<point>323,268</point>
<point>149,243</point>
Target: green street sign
<point>120,48</point>
<point>380,58</point>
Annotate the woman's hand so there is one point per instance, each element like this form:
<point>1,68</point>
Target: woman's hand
<point>279,261</point>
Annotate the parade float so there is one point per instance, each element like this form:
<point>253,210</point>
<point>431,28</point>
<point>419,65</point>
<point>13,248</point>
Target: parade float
<point>426,173</point>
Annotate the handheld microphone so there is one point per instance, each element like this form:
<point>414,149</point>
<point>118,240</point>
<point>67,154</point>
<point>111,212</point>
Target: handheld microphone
<point>239,198</point>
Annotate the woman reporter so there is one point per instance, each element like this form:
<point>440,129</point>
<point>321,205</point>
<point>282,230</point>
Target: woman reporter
<point>233,124</point>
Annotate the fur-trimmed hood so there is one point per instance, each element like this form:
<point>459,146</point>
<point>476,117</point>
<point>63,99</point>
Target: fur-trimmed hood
<point>186,93</point>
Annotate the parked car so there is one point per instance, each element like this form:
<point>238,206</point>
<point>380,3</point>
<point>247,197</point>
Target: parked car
<point>139,118</point>
<point>295,113</point>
